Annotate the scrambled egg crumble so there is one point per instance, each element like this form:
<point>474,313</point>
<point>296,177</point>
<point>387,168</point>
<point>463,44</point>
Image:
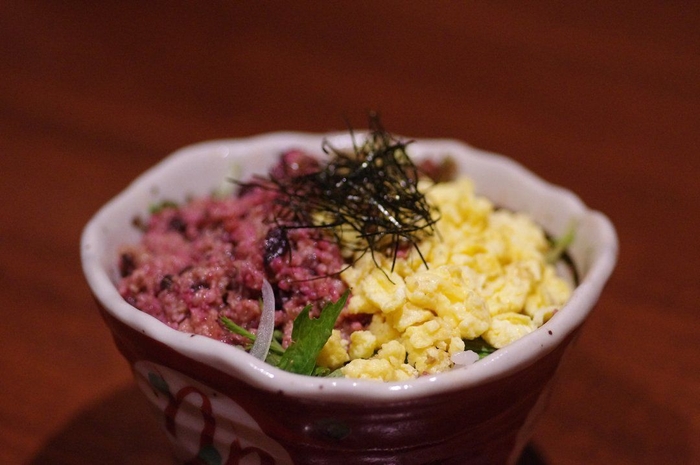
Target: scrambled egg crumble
<point>487,277</point>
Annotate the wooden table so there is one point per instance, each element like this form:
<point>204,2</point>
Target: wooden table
<point>602,98</point>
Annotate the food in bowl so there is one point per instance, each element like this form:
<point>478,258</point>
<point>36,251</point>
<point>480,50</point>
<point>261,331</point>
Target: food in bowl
<point>218,404</point>
<point>423,274</point>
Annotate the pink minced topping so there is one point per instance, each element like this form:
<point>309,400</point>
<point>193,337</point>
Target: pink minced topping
<point>207,259</point>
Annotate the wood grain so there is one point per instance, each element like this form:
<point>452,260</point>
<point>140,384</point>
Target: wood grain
<point>601,97</point>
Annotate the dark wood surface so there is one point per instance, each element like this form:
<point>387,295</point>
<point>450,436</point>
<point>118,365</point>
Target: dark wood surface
<point>601,97</point>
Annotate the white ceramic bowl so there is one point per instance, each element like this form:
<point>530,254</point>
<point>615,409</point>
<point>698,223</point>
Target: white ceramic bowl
<point>219,403</point>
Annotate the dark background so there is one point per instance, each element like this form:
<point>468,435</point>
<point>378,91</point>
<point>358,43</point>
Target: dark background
<point>603,98</point>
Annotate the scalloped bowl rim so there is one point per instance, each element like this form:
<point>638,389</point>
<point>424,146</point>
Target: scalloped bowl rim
<point>599,252</point>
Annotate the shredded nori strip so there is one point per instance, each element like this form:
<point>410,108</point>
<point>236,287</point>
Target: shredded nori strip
<point>371,191</point>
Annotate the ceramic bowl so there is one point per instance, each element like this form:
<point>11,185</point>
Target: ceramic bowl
<point>220,405</point>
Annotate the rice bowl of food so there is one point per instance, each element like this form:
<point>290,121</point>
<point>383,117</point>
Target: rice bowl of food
<point>345,298</point>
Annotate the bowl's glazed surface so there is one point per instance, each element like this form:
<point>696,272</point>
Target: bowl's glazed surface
<point>219,405</point>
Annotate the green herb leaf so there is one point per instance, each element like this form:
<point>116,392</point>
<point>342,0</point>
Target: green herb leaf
<point>236,329</point>
<point>309,336</point>
<point>275,347</point>
<point>160,206</point>
<point>559,245</point>
<point>478,345</point>
<point>337,373</point>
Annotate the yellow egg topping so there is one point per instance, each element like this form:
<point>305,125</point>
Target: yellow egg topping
<point>483,274</point>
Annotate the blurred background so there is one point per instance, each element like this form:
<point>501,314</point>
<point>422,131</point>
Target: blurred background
<point>601,97</point>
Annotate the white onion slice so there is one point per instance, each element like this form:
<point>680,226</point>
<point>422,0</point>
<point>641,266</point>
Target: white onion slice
<point>464,358</point>
<point>263,337</point>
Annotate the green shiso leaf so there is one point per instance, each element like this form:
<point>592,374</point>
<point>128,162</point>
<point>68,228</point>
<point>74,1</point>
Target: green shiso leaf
<point>309,336</point>
<point>236,329</point>
<point>560,244</point>
<point>275,347</point>
<point>160,206</point>
<point>478,345</point>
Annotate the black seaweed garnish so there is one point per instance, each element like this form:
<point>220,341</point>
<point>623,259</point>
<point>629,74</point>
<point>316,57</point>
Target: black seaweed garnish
<point>127,264</point>
<point>276,244</point>
<point>371,192</point>
<point>166,283</point>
